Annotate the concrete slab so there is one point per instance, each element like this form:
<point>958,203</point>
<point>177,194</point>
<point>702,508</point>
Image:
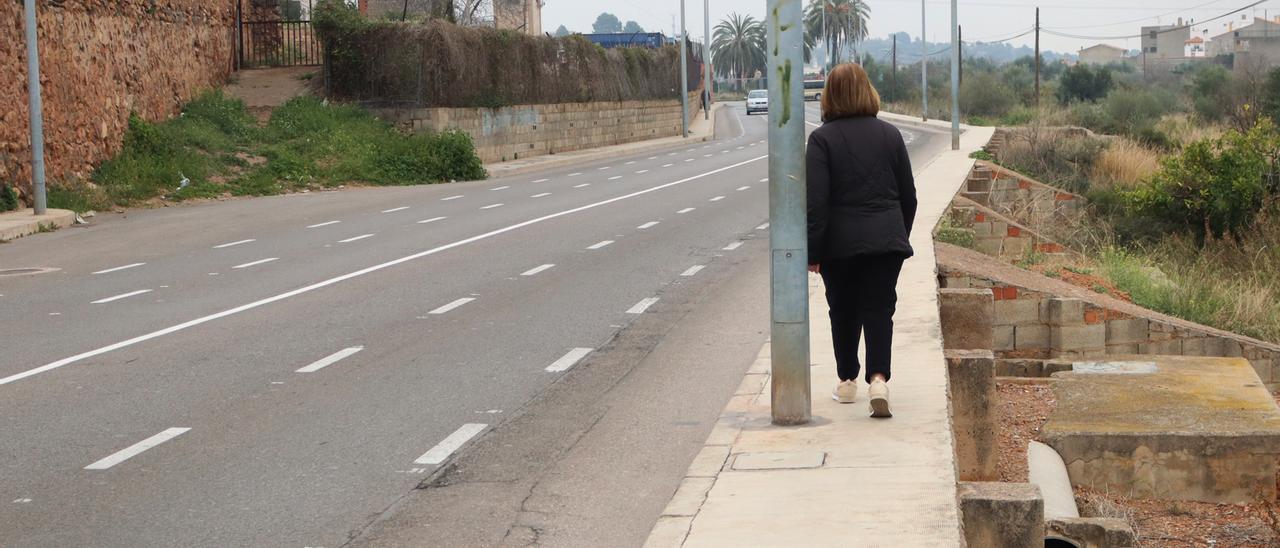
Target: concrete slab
<point>16,224</point>
<point>1196,428</point>
<point>779,460</point>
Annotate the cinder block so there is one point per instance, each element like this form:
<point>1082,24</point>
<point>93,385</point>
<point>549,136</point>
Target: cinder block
<point>989,246</point>
<point>1134,330</point>
<point>971,377</point>
<point>1019,368</point>
<point>1017,312</point>
<point>1056,366</point>
<point>1007,515</point>
<point>1122,349</point>
<point>966,316</point>
<point>1034,336</point>
<point>1064,311</point>
<point>1002,338</point>
<point>1171,347</point>
<point>1193,346</point>
<point>1078,338</point>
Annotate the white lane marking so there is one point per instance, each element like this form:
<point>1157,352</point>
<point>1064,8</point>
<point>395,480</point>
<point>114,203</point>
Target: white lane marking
<point>693,270</point>
<point>753,144</point>
<point>615,177</point>
<point>642,171</point>
<point>716,199</point>
<point>331,359</point>
<point>352,275</point>
<point>733,246</point>
<point>740,148</point>
<point>706,155</point>
<point>605,243</point>
<point>538,270</point>
<point>649,224</point>
<point>582,185</point>
<point>652,158</point>
<point>742,188</point>
<point>355,239</point>
<point>451,198</point>
<point>629,163</point>
<point>763,226</point>
<point>671,154</point>
<point>575,174</point>
<point>431,220</point>
<point>451,306</point>
<point>125,296</point>
<point>25,500</point>
<point>501,187</point>
<point>324,224</point>
<point>691,150</point>
<point>569,360</point>
<point>491,206</point>
<point>667,165</point>
<point>724,152</point>
<point>606,167</point>
<point>442,450</point>
<point>136,449</point>
<point>541,195</point>
<point>125,267</point>
<point>541,180</point>
<point>256,263</point>
<point>641,306</point>
<point>690,159</point>
<point>686,210</point>
<point>395,209</point>
<point>813,124</point>
<point>233,244</point>
<point>764,180</point>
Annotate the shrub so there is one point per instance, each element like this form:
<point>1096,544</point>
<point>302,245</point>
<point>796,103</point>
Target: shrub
<point>1207,87</point>
<point>8,198</point>
<point>984,95</point>
<point>1081,83</point>
<point>1057,160</point>
<point>1271,94</point>
<point>1134,112</point>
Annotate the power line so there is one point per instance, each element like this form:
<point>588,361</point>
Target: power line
<point>1140,35</point>
<point>1140,19</point>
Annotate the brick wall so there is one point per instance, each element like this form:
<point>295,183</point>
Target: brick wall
<point>522,131</point>
<point>101,59</point>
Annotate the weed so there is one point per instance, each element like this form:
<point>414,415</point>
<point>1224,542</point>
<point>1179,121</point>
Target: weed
<point>1055,273</point>
<point>42,228</point>
<point>982,155</point>
<point>8,198</point>
<point>948,232</point>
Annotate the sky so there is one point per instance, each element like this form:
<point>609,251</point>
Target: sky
<point>1104,21</point>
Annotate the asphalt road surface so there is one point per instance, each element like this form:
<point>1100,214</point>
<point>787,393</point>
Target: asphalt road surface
<point>519,360</point>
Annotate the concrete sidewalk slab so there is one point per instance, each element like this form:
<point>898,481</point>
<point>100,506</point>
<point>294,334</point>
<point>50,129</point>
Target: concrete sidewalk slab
<point>700,130</point>
<point>16,224</point>
<point>888,483</point>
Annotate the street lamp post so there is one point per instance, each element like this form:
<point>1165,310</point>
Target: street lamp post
<point>788,227</point>
<point>37,116</point>
<point>955,77</point>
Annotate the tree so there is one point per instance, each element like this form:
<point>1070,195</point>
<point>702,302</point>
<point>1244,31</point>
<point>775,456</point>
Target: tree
<point>845,23</point>
<point>738,46</point>
<point>607,23</point>
<point>1080,83</point>
<point>633,28</point>
<point>1271,106</point>
<point>562,32</point>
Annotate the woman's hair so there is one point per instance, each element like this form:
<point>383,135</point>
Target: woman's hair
<point>849,93</point>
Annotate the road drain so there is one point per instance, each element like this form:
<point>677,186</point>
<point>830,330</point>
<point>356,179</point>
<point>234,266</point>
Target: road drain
<point>25,271</point>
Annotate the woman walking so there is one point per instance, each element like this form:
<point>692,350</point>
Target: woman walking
<point>862,202</point>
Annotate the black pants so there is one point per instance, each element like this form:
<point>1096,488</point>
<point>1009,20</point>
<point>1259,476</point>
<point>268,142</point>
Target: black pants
<point>862,295</point>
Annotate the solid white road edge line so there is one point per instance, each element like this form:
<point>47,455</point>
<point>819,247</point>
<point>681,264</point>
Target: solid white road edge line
<point>136,449</point>
<point>538,270</point>
<point>352,275</point>
<point>233,244</point>
<point>641,306</point>
<point>119,268</point>
<point>442,450</point>
<point>118,297</point>
<point>256,263</point>
<point>569,360</point>
<point>693,270</point>
<point>330,360</point>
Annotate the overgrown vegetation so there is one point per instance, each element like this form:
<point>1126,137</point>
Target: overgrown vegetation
<point>8,198</point>
<point>216,149</point>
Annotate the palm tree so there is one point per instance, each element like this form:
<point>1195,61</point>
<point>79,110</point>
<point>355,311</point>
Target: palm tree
<point>738,46</point>
<point>846,23</point>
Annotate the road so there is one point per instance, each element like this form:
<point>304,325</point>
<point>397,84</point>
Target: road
<point>286,371</point>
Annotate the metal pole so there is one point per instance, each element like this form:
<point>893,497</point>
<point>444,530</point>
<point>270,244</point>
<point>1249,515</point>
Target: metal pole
<point>706,55</point>
<point>684,74</point>
<point>924,64</point>
<point>955,76</point>
<point>788,226</point>
<point>894,91</point>
<point>37,116</point>
<point>826,63</point>
<point>1038,58</point>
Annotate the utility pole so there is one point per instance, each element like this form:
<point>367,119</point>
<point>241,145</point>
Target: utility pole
<point>706,54</point>
<point>895,67</point>
<point>684,74</point>
<point>826,48</point>
<point>788,226</point>
<point>955,75</point>
<point>37,111</point>
<point>960,44</point>
<point>1037,57</point>
<point>924,64</point>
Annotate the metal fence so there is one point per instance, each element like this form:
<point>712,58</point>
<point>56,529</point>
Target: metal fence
<point>279,44</point>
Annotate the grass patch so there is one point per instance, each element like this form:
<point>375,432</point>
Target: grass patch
<point>218,149</point>
<point>949,233</point>
<point>8,198</point>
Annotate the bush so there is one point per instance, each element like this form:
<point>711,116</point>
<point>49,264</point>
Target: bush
<point>1124,164</point>
<point>1215,186</point>
<point>8,198</point>
<point>1207,89</point>
<point>1271,94</point>
<point>984,95</point>
<point>1057,160</point>
<point>1134,112</point>
<point>1081,83</point>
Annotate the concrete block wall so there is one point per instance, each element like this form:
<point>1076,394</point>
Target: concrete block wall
<point>522,131</point>
<point>999,236</point>
<point>1030,326</point>
<point>1019,197</point>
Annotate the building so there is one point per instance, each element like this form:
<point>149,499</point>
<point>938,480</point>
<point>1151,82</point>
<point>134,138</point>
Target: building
<point>1195,47</point>
<point>522,15</point>
<point>1165,41</point>
<point>1101,54</point>
<point>1257,43</point>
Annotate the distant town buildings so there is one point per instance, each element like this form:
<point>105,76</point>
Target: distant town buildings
<point>1163,43</point>
<point>1101,54</point>
<point>1164,48</point>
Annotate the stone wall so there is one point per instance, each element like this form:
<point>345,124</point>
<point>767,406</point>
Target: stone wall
<point>101,60</point>
<point>522,131</point>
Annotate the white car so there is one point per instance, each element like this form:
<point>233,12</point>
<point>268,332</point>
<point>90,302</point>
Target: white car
<point>757,101</point>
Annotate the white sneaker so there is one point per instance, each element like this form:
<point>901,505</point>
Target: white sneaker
<point>879,392</point>
<point>845,392</point>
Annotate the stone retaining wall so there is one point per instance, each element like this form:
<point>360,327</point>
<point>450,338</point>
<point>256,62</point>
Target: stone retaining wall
<point>515,132</point>
<point>1024,199</point>
<point>101,60</point>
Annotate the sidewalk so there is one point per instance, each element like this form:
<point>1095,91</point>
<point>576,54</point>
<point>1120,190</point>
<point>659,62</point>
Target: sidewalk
<point>24,222</point>
<point>844,479</point>
<point>700,130</point>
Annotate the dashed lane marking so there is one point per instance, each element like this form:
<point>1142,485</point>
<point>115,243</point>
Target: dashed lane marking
<point>569,360</point>
<point>119,268</point>
<point>455,441</point>
<point>137,449</point>
<point>641,306</point>
<point>331,359</point>
<point>124,296</point>
<point>451,306</point>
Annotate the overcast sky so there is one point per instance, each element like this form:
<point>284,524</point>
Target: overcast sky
<point>981,19</point>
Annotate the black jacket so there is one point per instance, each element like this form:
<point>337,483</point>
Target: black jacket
<point>862,196</point>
